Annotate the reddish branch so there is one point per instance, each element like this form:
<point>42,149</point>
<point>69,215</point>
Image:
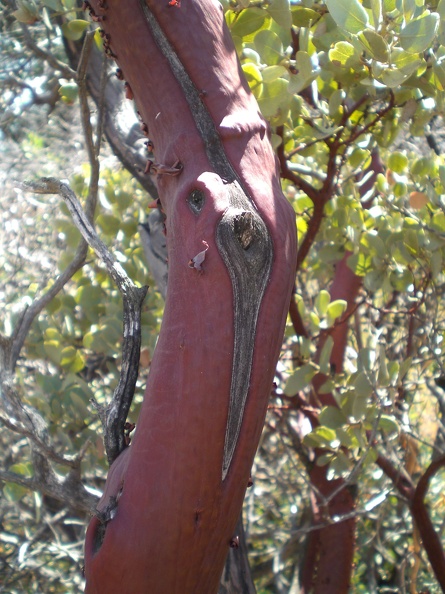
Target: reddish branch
<point>296,319</point>
<point>318,197</point>
<point>173,497</point>
<point>327,569</point>
<point>416,501</point>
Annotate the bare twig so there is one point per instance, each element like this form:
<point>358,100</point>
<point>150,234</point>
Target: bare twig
<point>48,57</point>
<point>113,416</point>
<point>28,316</point>
<point>92,149</point>
<point>22,328</point>
<point>72,494</point>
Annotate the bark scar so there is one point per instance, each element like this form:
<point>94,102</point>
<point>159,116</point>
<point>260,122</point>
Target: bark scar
<point>242,238</point>
<point>245,246</point>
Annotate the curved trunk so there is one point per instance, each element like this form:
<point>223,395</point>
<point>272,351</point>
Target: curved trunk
<point>173,498</point>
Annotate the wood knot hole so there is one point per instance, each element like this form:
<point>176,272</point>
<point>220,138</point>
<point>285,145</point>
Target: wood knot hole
<point>244,229</point>
<point>196,201</point>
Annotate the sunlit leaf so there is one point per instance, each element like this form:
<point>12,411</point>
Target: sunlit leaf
<point>279,10</point>
<point>248,21</point>
<point>419,33</point>
<point>75,29</point>
<point>300,378</point>
<point>348,14</point>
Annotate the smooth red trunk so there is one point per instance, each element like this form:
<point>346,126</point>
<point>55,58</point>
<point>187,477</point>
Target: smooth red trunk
<point>175,515</point>
<point>328,568</point>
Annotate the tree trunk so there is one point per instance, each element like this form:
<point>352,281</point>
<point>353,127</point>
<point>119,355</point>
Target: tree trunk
<point>173,498</point>
<point>327,567</point>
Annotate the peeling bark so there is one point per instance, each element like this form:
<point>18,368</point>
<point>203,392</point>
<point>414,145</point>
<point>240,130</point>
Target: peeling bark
<point>174,496</point>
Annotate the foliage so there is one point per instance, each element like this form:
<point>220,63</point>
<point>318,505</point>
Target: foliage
<point>353,91</point>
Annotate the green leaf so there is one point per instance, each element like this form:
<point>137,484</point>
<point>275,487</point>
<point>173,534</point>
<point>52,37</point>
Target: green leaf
<point>359,408</point>
<point>347,439</point>
<point>91,299</point>
<point>418,34</point>
<point>376,7</point>
<point>332,417</point>
<point>77,364</point>
<point>341,53</point>
<point>336,309</point>
<point>303,17</point>
<point>269,46</point>
<point>404,368</point>
<point>422,167</point>
<point>408,7</point>
<point>300,81</point>
<point>325,356</point>
<point>389,425</point>
<point>314,321</point>
<point>78,406</point>
<point>251,56</point>
<point>254,78</point>
<point>108,223</point>
<point>375,45</point>
<point>248,22</point>
<point>304,65</point>
<point>274,98</point>
<point>271,73</point>
<point>397,162</point>
<point>67,356</point>
<point>328,435</point>
<point>52,349</point>
<point>300,378</point>
<point>324,459</point>
<point>69,92</point>
<point>46,18</point>
<point>53,4</point>
<point>362,385</point>
<point>27,12</point>
<point>348,14</point>
<point>358,157</point>
<point>312,440</point>
<point>74,29</point>
<point>279,10</point>
<point>12,491</point>
<point>336,101</point>
<point>360,263</point>
<point>339,467</point>
<point>322,301</point>
<point>392,77</point>
<point>99,43</point>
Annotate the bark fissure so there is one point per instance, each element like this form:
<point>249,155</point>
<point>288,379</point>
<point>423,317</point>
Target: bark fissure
<point>212,142</point>
<point>246,248</point>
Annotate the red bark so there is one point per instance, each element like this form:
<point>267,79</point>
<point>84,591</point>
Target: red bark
<point>170,505</point>
<point>329,566</point>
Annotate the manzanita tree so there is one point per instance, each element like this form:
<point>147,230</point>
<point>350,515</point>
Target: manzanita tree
<point>352,92</point>
<point>173,498</point>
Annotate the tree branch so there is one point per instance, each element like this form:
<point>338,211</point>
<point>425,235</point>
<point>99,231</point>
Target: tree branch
<point>431,541</point>
<point>48,57</point>
<point>114,415</point>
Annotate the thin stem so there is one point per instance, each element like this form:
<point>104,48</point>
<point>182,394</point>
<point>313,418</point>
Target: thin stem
<point>114,416</point>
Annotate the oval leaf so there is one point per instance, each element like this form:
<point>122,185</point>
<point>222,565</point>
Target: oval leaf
<point>418,34</point>
<point>348,14</point>
<point>300,379</point>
